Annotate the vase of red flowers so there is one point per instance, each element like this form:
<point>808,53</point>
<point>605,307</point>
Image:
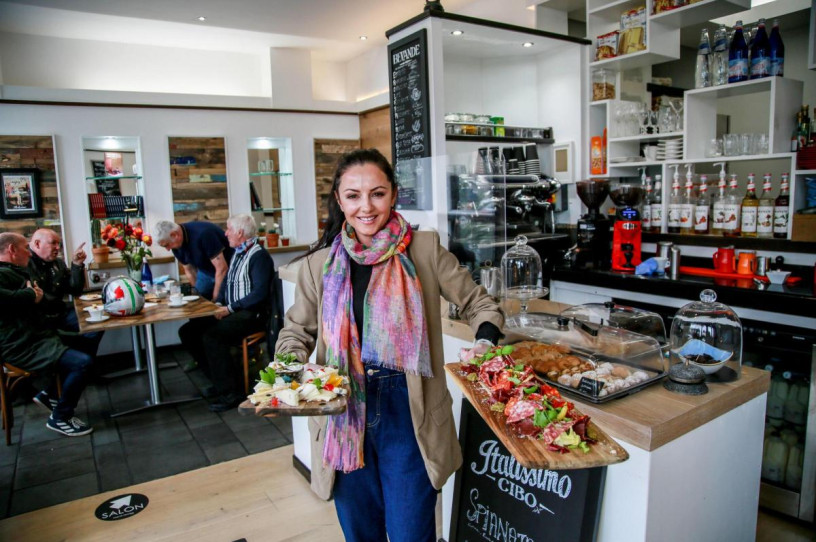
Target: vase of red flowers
<point>132,243</point>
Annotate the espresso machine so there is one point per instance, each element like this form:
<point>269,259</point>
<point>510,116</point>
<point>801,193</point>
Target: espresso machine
<point>594,238</point>
<point>627,228</point>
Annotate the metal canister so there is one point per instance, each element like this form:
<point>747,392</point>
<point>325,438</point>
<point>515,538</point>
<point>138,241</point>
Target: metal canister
<point>663,249</point>
<point>674,262</point>
<point>762,265</point>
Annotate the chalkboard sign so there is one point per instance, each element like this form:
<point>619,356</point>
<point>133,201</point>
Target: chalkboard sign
<point>109,187</point>
<point>410,119</point>
<point>496,499</point>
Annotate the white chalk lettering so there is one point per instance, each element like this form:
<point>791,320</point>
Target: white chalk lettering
<point>406,54</point>
<point>489,524</point>
<point>495,462</point>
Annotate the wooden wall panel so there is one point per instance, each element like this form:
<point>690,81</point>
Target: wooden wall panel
<point>327,153</point>
<point>33,152</point>
<point>375,130</point>
<point>199,183</point>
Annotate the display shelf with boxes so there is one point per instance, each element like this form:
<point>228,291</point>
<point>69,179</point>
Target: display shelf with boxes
<point>699,12</point>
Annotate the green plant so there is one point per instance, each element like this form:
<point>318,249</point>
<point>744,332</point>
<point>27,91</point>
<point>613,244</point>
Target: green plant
<point>96,232</point>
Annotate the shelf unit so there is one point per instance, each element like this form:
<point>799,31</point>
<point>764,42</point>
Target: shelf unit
<point>782,97</point>
<point>274,190</point>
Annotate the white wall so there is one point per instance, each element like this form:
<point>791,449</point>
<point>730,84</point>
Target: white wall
<point>30,60</point>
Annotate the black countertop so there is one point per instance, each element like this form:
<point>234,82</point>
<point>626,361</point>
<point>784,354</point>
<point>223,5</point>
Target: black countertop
<point>794,300</point>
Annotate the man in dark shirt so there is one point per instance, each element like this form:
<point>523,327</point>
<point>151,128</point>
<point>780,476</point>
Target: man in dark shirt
<point>203,250</point>
<point>244,309</point>
<point>26,342</point>
<point>51,274</point>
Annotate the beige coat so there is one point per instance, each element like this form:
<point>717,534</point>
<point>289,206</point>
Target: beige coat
<point>430,403</point>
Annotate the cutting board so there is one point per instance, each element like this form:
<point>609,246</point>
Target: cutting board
<point>532,453</point>
<point>335,406</point>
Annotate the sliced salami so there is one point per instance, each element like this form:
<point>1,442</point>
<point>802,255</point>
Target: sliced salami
<point>521,410</point>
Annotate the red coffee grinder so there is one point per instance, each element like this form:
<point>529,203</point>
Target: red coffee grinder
<point>627,229</point>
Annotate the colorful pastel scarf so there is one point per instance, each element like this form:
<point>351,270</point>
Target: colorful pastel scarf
<point>394,332</point>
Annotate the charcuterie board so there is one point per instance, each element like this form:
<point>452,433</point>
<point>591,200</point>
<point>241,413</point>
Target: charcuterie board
<point>531,453</point>
<point>335,406</point>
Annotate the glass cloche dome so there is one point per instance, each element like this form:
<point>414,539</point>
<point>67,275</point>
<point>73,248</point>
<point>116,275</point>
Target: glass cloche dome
<point>521,273</point>
<point>709,335</point>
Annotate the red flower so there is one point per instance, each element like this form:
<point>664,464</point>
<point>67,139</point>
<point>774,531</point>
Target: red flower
<point>128,230</point>
<point>120,244</point>
<point>113,232</point>
<point>146,239</point>
<point>111,243</point>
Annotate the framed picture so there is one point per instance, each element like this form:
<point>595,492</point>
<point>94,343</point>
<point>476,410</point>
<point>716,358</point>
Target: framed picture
<point>21,193</point>
<point>98,168</point>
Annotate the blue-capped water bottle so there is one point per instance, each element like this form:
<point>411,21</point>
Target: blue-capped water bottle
<point>738,56</point>
<point>147,275</point>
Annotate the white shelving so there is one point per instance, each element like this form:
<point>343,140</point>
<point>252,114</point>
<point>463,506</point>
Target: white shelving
<point>740,158</point>
<point>646,137</point>
<point>700,12</point>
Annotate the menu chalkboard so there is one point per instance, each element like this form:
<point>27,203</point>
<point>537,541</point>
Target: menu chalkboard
<point>496,499</point>
<point>410,118</point>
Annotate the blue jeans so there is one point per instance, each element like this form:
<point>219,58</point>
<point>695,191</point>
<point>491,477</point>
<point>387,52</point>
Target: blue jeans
<point>72,368</point>
<point>85,342</point>
<point>392,493</point>
<point>205,284</point>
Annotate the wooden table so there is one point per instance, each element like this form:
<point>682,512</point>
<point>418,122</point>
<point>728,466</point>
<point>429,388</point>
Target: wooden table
<point>152,313</point>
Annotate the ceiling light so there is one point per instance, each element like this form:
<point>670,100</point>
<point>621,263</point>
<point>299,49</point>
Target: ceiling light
<point>457,32</point>
<point>201,18</point>
<point>527,44</point>
<point>363,38</point>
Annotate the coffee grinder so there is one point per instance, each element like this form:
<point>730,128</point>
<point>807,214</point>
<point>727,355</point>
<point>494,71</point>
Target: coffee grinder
<point>594,237</point>
<point>627,229</point>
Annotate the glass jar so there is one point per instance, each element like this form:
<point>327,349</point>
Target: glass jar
<point>521,273</point>
<point>450,123</point>
<point>603,85</point>
<point>708,334</point>
<point>467,127</point>
<point>485,126</point>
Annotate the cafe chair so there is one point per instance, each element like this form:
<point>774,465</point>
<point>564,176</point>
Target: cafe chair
<point>10,377</point>
<point>246,342</point>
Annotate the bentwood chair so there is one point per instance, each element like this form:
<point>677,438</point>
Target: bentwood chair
<point>273,327</point>
<point>10,377</point>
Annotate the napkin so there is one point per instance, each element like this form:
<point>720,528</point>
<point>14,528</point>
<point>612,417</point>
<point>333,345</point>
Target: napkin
<point>649,267</point>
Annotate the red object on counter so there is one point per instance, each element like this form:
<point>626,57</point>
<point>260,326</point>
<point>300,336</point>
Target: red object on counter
<point>705,272</point>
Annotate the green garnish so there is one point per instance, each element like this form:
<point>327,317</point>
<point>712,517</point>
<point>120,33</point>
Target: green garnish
<point>505,350</point>
<point>514,380</point>
<point>540,419</point>
<point>317,383</point>
<point>268,375</point>
<point>519,367</point>
<point>472,377</point>
<point>287,358</point>
<point>531,389</point>
<point>497,407</point>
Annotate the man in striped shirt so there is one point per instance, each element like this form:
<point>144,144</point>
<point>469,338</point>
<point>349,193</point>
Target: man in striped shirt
<point>244,300</point>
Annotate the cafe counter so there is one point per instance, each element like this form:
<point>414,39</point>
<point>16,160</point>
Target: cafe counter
<point>694,462</point>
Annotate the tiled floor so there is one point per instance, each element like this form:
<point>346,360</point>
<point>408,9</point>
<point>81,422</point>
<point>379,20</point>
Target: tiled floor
<point>42,468</point>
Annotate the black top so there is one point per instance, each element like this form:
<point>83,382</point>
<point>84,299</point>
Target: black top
<point>360,277</point>
<point>203,241</point>
<point>56,281</point>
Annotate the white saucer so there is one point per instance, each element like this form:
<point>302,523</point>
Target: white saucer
<point>177,306</point>
<point>190,297</point>
<point>91,297</point>
<point>101,319</point>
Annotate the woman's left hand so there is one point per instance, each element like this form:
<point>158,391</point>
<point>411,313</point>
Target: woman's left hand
<point>221,313</point>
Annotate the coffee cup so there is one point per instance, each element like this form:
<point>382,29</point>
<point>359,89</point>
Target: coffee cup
<point>95,313</point>
<point>176,299</point>
<point>746,265</point>
<point>650,153</point>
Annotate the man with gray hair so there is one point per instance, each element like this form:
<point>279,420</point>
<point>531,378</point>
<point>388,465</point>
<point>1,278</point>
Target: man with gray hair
<point>26,342</point>
<point>202,249</point>
<point>244,310</point>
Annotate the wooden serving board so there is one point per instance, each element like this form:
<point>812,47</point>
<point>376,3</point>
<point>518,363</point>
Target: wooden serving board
<point>532,453</point>
<point>335,406</point>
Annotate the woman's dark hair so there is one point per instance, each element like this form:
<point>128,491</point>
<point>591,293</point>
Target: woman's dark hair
<point>336,217</point>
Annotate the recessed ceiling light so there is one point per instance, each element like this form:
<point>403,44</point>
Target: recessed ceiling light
<point>201,18</point>
<point>527,44</point>
<point>363,38</point>
<point>457,32</point>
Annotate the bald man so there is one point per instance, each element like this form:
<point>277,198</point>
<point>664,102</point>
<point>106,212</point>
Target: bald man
<point>55,278</point>
<point>26,342</point>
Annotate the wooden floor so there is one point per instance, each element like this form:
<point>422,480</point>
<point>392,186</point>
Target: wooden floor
<point>259,498</point>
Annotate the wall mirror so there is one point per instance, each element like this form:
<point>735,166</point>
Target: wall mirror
<point>114,184</point>
<point>198,171</point>
<point>271,188</point>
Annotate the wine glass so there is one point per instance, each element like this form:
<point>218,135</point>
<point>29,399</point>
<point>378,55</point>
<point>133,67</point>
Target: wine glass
<point>677,106</point>
<point>643,116</point>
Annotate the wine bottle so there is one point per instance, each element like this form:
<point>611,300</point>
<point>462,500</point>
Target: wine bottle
<point>776,51</point>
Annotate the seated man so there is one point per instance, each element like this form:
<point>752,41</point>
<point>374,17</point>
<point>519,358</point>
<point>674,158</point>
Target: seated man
<point>26,342</point>
<point>203,251</point>
<point>244,296</point>
<point>52,275</point>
